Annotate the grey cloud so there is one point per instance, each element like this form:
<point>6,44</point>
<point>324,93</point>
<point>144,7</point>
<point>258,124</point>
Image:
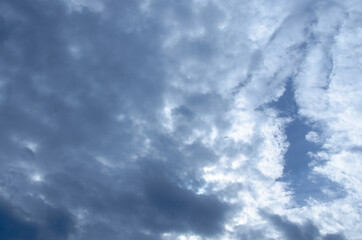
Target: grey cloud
<point>65,79</point>
<point>244,233</point>
<point>15,224</point>
<point>84,95</point>
<point>295,231</point>
<point>181,210</point>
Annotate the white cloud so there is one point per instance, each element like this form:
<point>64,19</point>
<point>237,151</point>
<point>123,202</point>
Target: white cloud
<point>313,137</point>
<point>327,87</point>
<point>328,93</point>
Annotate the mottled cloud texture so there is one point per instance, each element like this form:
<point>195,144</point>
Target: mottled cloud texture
<point>195,119</point>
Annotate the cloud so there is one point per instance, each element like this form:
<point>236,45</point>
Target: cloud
<point>175,120</point>
<point>55,223</point>
<point>182,210</point>
<point>13,226</point>
<point>296,231</point>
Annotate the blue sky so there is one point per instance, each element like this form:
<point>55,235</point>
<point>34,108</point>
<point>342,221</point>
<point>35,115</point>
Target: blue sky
<point>184,120</point>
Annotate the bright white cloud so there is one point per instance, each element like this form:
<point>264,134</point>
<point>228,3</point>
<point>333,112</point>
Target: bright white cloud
<point>281,41</point>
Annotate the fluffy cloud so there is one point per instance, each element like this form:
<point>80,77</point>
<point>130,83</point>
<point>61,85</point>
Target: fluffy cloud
<point>180,120</point>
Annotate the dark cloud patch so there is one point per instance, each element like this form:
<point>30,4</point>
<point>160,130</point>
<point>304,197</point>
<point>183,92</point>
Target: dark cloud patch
<point>13,226</point>
<point>184,112</point>
<point>305,231</point>
<point>336,236</point>
<point>149,198</point>
<point>179,209</point>
<point>50,223</point>
<point>59,222</point>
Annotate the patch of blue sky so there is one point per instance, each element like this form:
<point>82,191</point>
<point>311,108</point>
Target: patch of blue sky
<point>297,171</point>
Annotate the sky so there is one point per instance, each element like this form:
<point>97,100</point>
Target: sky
<point>180,120</point>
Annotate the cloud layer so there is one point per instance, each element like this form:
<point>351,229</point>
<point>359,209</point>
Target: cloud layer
<point>191,119</point>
